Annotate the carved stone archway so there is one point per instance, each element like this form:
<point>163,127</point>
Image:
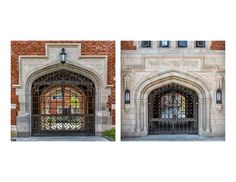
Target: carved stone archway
<point>155,81</point>
<point>32,67</point>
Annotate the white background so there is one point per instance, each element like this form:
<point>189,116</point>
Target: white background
<point>117,20</point>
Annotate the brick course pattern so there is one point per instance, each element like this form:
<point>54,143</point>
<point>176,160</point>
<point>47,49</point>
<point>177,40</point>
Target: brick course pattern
<point>128,45</point>
<point>38,48</point>
<point>217,45</point>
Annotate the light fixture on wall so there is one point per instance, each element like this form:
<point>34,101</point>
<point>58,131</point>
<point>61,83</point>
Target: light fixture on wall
<point>63,56</point>
<point>218,96</point>
<point>127,96</point>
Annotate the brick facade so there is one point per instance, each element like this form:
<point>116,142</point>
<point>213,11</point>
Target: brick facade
<point>217,45</point>
<point>38,48</point>
<point>128,45</point>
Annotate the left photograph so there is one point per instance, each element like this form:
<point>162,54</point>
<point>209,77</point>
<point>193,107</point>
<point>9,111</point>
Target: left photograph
<point>62,90</point>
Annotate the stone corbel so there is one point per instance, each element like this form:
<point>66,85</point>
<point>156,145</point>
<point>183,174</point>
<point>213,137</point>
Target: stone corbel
<point>219,107</point>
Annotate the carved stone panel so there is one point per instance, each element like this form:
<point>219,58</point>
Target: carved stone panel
<point>30,64</point>
<point>97,64</point>
<point>172,63</point>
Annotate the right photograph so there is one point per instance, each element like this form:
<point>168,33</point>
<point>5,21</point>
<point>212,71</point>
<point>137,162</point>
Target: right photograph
<point>173,90</point>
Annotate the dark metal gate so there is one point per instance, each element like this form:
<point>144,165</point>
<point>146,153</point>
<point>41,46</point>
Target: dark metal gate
<point>63,104</point>
<point>173,109</point>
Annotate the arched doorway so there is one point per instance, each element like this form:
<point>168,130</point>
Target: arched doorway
<point>173,109</point>
<point>63,103</point>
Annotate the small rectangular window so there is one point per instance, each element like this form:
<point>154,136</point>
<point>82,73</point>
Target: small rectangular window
<point>164,43</point>
<point>200,44</point>
<point>182,43</point>
<point>145,44</point>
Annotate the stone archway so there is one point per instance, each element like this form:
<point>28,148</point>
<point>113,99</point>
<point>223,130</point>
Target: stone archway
<point>93,67</point>
<point>155,81</point>
<point>25,98</point>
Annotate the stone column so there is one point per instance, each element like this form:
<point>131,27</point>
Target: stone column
<point>145,115</point>
<point>138,116</point>
<point>208,118</point>
<point>201,118</point>
<point>141,115</point>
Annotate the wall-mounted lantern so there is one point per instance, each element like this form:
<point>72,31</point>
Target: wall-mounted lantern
<point>63,56</point>
<point>127,96</point>
<point>218,96</point>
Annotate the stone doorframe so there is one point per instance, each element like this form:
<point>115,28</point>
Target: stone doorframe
<point>33,67</point>
<point>154,81</point>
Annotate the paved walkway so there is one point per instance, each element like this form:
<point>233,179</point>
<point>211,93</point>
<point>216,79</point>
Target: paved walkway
<point>173,138</point>
<point>65,138</point>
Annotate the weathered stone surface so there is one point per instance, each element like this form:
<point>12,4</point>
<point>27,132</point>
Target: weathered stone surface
<point>23,125</point>
<point>200,69</point>
<point>87,63</point>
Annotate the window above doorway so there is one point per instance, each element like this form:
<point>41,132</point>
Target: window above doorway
<point>200,44</point>
<point>164,43</point>
<point>182,44</point>
<point>145,44</point>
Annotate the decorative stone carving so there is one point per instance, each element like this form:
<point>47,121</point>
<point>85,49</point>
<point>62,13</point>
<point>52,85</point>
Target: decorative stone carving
<point>31,67</point>
<point>97,64</point>
<point>219,107</point>
<point>127,82</point>
<point>219,81</point>
<point>199,69</point>
<point>30,64</point>
<point>154,63</point>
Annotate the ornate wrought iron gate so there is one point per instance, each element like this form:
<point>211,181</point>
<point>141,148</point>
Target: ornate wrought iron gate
<point>173,109</point>
<point>63,104</point>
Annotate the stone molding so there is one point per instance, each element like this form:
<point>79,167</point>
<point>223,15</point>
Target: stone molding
<point>158,61</point>
<point>32,67</point>
<point>31,63</point>
<point>154,81</point>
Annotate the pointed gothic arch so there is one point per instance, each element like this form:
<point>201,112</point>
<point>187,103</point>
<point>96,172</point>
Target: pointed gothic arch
<point>155,81</point>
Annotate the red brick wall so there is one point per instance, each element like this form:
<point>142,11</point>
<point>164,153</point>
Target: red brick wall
<point>217,45</point>
<point>127,45</point>
<point>38,48</point>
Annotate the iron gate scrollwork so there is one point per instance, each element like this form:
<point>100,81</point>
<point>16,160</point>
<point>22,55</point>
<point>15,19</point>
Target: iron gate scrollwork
<point>63,103</point>
<point>173,109</point>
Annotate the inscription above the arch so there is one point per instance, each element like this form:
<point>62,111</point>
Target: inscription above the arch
<point>155,63</point>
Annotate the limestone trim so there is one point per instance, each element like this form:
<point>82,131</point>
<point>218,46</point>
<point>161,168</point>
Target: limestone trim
<point>31,63</point>
<point>157,80</point>
<point>33,67</point>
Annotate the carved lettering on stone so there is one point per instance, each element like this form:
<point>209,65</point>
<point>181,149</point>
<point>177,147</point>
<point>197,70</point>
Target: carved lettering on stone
<point>153,63</point>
